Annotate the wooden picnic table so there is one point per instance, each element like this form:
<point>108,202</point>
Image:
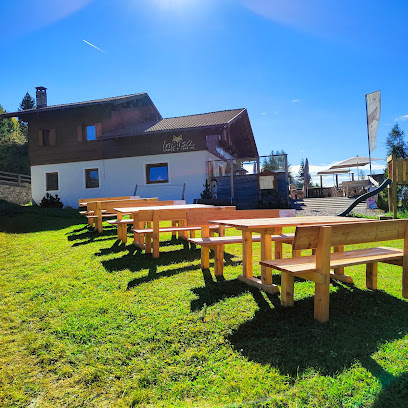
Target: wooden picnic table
<point>131,210</point>
<point>121,211</point>
<point>267,227</point>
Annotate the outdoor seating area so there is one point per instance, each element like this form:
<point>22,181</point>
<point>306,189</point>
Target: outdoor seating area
<point>199,289</point>
<point>149,218</point>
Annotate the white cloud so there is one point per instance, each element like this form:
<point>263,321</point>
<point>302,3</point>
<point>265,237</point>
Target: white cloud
<point>263,113</point>
<point>295,100</point>
<point>403,117</point>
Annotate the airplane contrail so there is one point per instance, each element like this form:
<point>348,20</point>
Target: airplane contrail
<point>93,46</point>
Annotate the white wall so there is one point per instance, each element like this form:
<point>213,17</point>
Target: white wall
<point>118,177</point>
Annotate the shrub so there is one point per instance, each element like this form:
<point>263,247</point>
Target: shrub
<point>49,201</point>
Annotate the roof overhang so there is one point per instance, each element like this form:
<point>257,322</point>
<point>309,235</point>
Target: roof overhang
<point>113,101</point>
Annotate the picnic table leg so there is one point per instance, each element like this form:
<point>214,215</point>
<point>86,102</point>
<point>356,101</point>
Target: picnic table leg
<point>99,214</point>
<point>288,285</point>
<point>322,290</point>
<point>338,273</point>
<point>120,231</point>
<point>205,251</point>
<point>219,254</point>
<point>266,253</point>
<point>173,233</point>
<point>138,239</point>
<point>182,234</point>
<point>371,275</point>
<point>247,254</point>
<point>124,233</point>
<point>156,235</point>
<point>278,245</point>
<point>148,243</point>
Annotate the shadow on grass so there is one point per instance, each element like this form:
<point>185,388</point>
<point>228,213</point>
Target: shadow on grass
<point>290,339</point>
<point>17,219</point>
<point>217,289</point>
<point>135,260</point>
<point>393,395</point>
<point>153,274</point>
<point>88,232</point>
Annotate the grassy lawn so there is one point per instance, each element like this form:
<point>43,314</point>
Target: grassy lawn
<point>88,323</point>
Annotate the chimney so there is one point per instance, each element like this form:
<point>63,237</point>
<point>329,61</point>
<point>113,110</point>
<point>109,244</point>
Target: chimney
<point>41,97</point>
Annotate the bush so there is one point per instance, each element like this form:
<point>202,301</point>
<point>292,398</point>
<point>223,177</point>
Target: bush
<point>206,194</point>
<point>49,201</point>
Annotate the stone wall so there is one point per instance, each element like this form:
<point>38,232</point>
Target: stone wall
<point>15,194</point>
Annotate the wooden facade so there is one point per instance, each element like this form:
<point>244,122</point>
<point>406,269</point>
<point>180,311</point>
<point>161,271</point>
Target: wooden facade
<point>124,135</point>
<point>122,129</point>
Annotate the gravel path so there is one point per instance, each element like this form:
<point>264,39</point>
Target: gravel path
<point>328,211</point>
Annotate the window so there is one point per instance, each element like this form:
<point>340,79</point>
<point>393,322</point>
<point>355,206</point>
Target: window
<point>47,137</point>
<point>87,133</point>
<point>51,180</point>
<point>157,173</point>
<point>90,133</point>
<point>91,178</point>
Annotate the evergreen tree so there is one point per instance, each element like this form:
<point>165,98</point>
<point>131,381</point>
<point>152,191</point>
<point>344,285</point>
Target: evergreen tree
<point>27,103</point>
<point>395,143</point>
<point>276,162</point>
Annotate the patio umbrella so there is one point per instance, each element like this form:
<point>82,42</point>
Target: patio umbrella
<point>334,172</point>
<point>356,161</point>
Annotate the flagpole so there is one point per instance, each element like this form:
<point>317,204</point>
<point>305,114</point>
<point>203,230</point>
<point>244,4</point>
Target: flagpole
<point>368,136</point>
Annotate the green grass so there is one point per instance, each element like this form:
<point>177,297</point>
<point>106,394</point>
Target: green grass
<point>88,323</point>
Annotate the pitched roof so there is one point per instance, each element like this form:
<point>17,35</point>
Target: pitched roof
<point>195,121</point>
<point>201,120</point>
<point>114,100</point>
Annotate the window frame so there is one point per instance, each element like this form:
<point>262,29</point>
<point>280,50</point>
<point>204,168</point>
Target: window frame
<point>47,137</point>
<point>149,166</point>
<point>46,181</point>
<point>86,179</point>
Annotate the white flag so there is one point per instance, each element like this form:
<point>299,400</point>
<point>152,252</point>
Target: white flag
<point>373,105</point>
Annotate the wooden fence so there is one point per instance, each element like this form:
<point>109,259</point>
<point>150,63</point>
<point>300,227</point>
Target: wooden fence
<point>14,179</point>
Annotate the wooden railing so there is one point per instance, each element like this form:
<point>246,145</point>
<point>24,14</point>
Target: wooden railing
<point>14,179</point>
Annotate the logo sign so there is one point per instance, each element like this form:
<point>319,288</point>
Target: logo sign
<point>373,104</point>
<point>177,144</point>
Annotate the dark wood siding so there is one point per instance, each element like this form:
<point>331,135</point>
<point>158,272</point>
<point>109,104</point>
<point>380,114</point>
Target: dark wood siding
<point>70,145</point>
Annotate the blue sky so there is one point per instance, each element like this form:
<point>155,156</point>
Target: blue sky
<point>300,67</point>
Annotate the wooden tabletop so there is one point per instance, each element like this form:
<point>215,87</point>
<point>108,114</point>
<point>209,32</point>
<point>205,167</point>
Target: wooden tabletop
<point>130,210</point>
<point>265,223</point>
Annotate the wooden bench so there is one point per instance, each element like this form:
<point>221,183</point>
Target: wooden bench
<point>151,235</point>
<point>102,209</point>
<point>218,243</point>
<point>317,267</point>
<point>123,223</point>
<point>82,202</point>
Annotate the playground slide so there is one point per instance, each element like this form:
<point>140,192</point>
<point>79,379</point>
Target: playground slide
<point>365,196</point>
